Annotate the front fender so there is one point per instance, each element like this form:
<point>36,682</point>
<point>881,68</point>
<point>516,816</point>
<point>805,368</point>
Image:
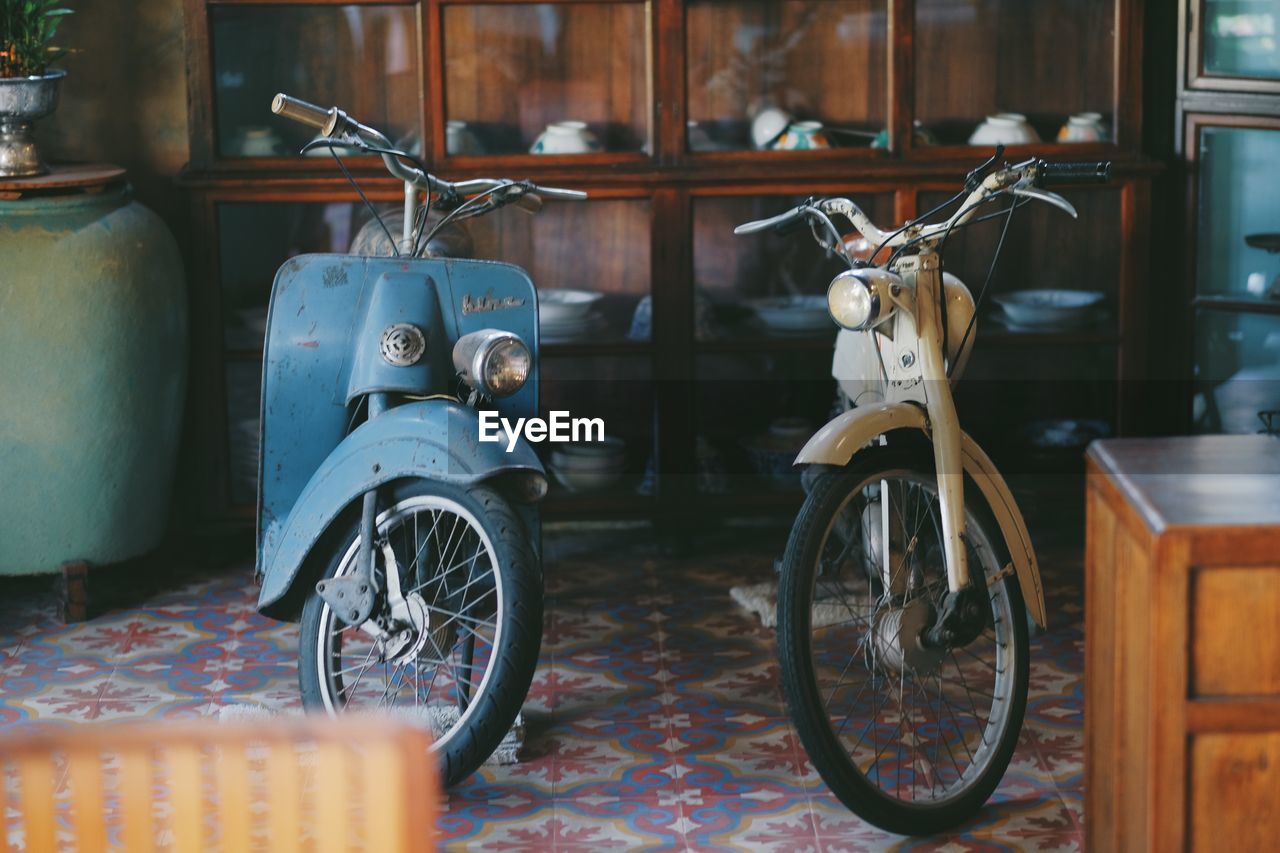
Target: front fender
<point>433,439</point>
<point>837,442</point>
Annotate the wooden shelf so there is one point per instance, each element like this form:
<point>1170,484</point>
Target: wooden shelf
<point>666,208</point>
<point>766,344</point>
<point>569,349</point>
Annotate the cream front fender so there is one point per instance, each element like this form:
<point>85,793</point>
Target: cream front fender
<point>837,442</point>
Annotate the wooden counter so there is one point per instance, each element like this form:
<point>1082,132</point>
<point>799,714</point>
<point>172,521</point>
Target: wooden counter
<point>1182,644</point>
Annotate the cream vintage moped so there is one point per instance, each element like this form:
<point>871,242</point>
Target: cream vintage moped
<point>909,573</point>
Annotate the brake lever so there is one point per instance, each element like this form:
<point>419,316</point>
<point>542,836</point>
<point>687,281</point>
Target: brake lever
<point>530,203</point>
<point>974,178</point>
<point>1046,196</point>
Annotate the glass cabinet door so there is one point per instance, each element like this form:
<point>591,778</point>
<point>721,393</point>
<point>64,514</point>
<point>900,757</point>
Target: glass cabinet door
<point>363,59</point>
<point>1044,250</point>
<point>546,79</point>
<point>1015,72</point>
<point>1241,38</point>
<point>1238,218</point>
<point>1237,378</point>
<point>788,75</point>
<point>764,285</point>
<point>1237,293</point>
<point>589,261</point>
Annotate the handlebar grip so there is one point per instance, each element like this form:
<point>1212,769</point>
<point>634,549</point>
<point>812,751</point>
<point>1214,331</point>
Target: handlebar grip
<point>560,194</point>
<point>300,111</point>
<point>783,223</point>
<point>1069,174</point>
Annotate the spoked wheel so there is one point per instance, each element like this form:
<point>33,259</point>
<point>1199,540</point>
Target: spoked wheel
<point>913,739</point>
<point>462,654</point>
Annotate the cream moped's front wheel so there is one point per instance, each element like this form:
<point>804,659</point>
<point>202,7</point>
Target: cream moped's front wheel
<point>461,657</point>
<point>910,737</point>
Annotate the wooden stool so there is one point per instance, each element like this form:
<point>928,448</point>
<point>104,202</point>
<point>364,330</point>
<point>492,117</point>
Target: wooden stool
<point>356,783</point>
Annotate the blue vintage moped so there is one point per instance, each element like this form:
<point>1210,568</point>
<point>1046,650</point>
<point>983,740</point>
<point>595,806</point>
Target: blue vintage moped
<point>407,547</point>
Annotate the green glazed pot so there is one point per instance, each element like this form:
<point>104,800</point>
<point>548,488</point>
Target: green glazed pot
<point>93,355</point>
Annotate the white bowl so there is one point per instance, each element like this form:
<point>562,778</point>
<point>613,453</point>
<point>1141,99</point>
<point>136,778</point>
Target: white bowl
<point>609,448</point>
<point>768,125</point>
<point>587,463</point>
<point>1004,129</point>
<point>1049,307</point>
<point>793,313</point>
<point>559,305</point>
<point>586,481</point>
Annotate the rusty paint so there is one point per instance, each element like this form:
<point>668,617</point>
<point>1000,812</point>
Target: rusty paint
<point>309,344</point>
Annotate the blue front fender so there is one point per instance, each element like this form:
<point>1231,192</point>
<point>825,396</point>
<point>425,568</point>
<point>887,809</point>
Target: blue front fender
<point>434,439</point>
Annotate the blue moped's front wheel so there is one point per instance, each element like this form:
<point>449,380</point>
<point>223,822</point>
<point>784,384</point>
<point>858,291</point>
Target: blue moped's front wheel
<point>460,654</point>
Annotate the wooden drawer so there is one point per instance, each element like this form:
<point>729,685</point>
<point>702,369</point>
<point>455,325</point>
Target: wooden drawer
<point>1235,616</point>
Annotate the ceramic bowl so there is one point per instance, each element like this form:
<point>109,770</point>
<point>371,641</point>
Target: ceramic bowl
<point>790,430</point>
<point>459,138</point>
<point>562,305</point>
<point>1065,433</point>
<point>1004,129</point>
<point>769,124</point>
<point>793,313</point>
<point>1083,127</point>
<point>773,460</point>
<point>587,464</point>
<point>566,137</point>
<point>802,136</point>
<point>1049,308</point>
<point>609,448</point>
<point>586,481</point>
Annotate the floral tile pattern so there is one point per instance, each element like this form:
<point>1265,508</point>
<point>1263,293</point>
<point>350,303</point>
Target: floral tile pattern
<point>655,720</point>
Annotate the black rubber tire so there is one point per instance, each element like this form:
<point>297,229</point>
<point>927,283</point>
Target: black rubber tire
<point>519,573</point>
<point>795,592</point>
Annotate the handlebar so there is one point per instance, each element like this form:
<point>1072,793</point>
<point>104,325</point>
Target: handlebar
<point>335,124</point>
<point>1025,180</point>
<point>1071,174</point>
<point>303,112</point>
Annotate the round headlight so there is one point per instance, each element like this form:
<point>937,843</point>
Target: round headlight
<point>861,299</point>
<point>851,302</point>
<point>503,367</point>
<point>492,361</point>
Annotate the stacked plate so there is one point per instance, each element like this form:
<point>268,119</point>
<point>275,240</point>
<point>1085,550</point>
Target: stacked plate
<point>1049,310</point>
<point>589,466</point>
<point>566,315</point>
<point>793,315</point>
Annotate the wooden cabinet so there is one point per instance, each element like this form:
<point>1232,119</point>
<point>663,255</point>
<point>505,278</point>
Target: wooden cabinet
<point>670,92</point>
<point>1182,644</point>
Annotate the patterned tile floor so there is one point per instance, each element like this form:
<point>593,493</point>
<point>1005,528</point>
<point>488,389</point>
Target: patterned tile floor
<point>655,720</point>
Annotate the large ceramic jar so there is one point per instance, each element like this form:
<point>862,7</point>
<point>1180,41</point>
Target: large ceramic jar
<point>93,355</point>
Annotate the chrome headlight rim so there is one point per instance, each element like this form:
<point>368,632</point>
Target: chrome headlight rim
<point>848,282</point>
<point>483,347</point>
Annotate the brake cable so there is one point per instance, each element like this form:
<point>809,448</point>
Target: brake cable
<point>330,143</point>
<point>995,257</point>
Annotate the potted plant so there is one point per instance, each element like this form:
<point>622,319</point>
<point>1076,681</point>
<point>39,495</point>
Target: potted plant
<point>28,88</point>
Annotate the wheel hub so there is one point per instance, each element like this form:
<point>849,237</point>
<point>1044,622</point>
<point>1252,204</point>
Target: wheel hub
<point>897,632</point>
<point>406,644</point>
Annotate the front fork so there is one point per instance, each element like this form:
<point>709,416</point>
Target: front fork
<point>352,597</point>
<point>944,425</point>
<point>962,615</point>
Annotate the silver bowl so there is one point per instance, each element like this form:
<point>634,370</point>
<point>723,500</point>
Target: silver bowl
<point>22,101</point>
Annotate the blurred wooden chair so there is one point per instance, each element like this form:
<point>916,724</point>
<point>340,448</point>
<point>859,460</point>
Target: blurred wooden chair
<point>284,784</point>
